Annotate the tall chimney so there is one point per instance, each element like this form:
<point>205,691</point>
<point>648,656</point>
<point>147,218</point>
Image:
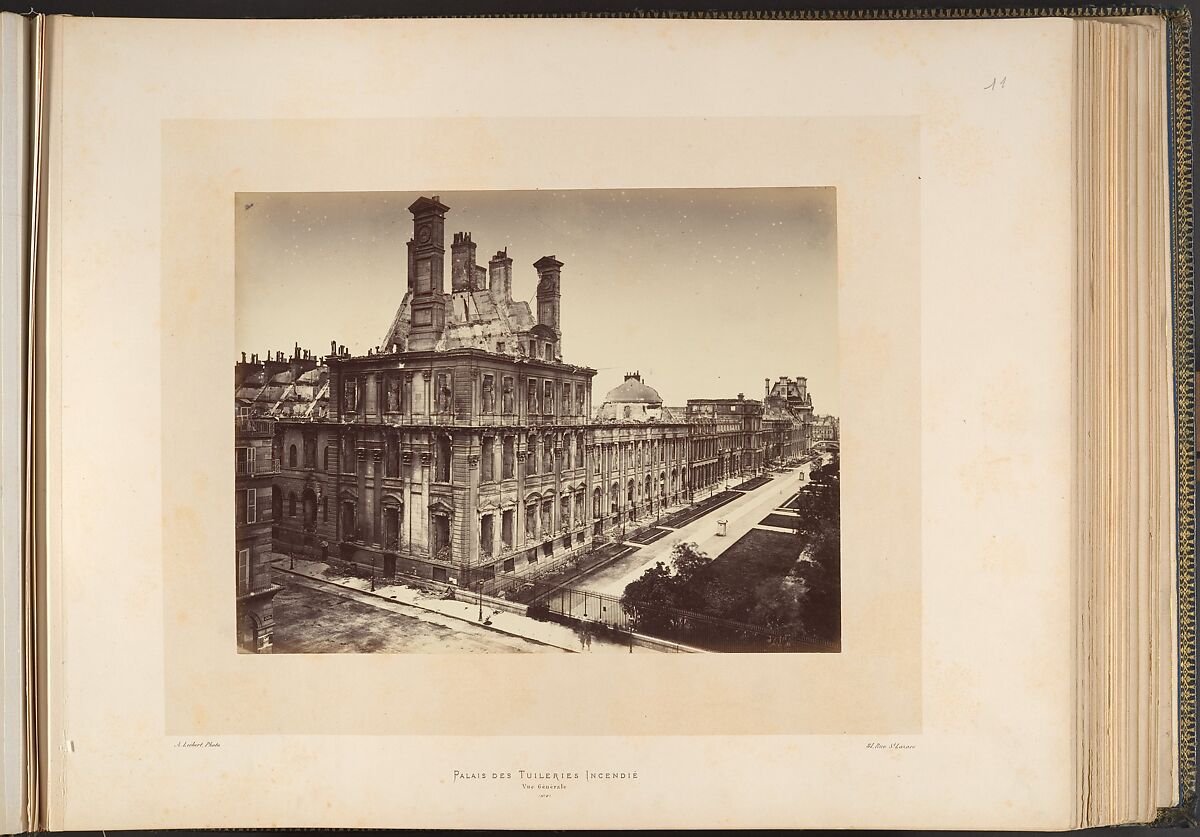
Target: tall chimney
<point>462,262</point>
<point>500,276</point>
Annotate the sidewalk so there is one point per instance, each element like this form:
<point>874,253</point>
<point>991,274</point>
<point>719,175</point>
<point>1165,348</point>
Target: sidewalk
<point>465,609</point>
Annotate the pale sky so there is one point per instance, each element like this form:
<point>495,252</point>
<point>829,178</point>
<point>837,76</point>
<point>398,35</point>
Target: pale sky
<point>705,291</point>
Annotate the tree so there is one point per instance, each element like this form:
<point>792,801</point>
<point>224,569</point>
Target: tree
<point>647,598</point>
<point>688,561</point>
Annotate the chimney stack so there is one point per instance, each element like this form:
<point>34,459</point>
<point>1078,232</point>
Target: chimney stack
<point>500,276</point>
<point>462,262</point>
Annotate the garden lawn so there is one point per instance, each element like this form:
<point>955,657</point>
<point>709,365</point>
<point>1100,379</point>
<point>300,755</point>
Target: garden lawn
<point>783,521</point>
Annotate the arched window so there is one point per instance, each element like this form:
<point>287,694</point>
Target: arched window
<point>596,499</point>
<point>291,456</point>
<point>328,457</point>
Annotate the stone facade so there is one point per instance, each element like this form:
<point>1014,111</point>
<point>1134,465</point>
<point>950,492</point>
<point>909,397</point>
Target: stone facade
<point>464,448</point>
<point>787,420</point>
<point>737,423</point>
<point>825,429</point>
<point>255,466</point>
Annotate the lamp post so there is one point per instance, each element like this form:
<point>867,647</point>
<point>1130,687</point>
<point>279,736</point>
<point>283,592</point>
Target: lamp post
<point>479,588</point>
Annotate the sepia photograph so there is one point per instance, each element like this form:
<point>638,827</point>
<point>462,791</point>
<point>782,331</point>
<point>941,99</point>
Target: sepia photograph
<point>578,421</point>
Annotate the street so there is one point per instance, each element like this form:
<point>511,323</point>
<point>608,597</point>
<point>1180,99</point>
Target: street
<point>742,515</point>
<point>314,617</point>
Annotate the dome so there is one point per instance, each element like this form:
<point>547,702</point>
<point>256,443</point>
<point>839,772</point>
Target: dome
<point>633,391</point>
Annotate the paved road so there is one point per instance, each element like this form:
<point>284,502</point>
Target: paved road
<point>315,617</point>
<point>741,515</point>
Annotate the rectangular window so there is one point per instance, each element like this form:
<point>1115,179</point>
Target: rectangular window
<point>510,456</point>
<point>509,565</point>
<point>393,394</point>
<point>548,398</point>
<point>350,396</point>
<point>245,461</point>
<point>506,394</point>
<point>506,530</point>
<point>566,399</point>
<point>252,505</point>
<point>487,458</point>
<point>442,456</point>
<point>580,400</point>
<point>243,567</point>
<point>488,395</point>
<point>500,347</point>
<point>485,535</point>
<point>393,457</point>
<point>531,388</point>
<point>441,395</point>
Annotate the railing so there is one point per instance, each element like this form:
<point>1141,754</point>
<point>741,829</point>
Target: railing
<point>473,420</point>
<point>660,621</point>
<point>255,425</point>
<point>255,467</point>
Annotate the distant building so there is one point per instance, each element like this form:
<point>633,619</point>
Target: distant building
<point>738,424</point>
<point>825,429</point>
<point>787,414</point>
<point>633,400</point>
<point>641,455</point>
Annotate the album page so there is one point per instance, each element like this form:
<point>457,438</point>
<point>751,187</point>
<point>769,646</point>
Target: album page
<point>538,349</point>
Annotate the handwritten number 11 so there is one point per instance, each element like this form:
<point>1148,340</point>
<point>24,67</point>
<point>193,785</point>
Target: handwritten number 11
<point>996,83</point>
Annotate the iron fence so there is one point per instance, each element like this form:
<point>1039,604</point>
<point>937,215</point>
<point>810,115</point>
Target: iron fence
<point>545,598</point>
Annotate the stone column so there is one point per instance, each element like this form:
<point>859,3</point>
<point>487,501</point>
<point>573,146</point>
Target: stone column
<point>362,510</point>
<point>422,528</point>
<point>375,496</point>
<point>408,524</point>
